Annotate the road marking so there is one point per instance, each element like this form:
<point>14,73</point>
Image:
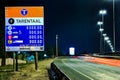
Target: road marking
<point>78,71</point>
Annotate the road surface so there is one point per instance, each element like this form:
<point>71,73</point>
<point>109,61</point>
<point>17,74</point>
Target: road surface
<point>78,69</point>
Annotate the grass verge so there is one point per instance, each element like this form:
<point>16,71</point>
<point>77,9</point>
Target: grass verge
<point>26,71</point>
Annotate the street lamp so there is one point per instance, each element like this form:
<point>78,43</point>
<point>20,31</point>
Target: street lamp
<point>104,34</point>
<point>101,29</point>
<point>108,41</point>
<point>106,38</point>
<point>109,44</point>
<point>114,25</point>
<point>103,12</point>
<point>100,23</point>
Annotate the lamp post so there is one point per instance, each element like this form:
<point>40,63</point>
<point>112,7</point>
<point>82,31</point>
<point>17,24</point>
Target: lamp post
<point>104,34</point>
<point>56,45</point>
<point>106,38</point>
<point>100,23</point>
<point>103,12</point>
<point>114,25</point>
<point>104,46</point>
<point>108,41</point>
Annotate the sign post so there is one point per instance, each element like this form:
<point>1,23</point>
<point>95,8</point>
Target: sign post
<point>24,28</point>
<point>36,60</point>
<point>13,61</point>
<point>16,61</point>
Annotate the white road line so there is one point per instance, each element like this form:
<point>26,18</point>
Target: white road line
<point>63,72</point>
<point>78,71</point>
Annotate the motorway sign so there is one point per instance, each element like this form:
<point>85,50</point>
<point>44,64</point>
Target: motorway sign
<point>24,28</point>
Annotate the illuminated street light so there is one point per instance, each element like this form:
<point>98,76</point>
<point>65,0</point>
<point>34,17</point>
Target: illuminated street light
<point>106,38</point>
<point>109,44</point>
<point>101,29</point>
<point>113,50</point>
<point>114,26</point>
<point>100,23</point>
<point>108,41</point>
<point>104,34</point>
<point>103,12</point>
<point>111,47</point>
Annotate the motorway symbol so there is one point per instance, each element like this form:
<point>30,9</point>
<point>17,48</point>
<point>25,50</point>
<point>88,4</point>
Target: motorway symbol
<point>24,12</point>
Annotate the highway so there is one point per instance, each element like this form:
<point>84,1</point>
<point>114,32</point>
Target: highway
<point>78,69</point>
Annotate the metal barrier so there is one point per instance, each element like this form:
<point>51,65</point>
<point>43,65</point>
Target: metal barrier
<point>56,74</point>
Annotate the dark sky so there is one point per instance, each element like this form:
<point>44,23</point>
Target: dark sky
<point>75,21</point>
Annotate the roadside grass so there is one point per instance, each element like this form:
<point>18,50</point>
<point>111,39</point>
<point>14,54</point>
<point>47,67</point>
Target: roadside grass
<point>26,71</point>
<point>4,72</point>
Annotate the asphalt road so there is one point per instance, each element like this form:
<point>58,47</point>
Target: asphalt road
<point>78,69</point>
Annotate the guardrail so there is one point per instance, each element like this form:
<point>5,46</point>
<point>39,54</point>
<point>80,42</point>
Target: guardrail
<point>56,74</point>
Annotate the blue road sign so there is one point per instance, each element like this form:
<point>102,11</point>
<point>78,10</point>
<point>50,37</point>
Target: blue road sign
<point>25,32</point>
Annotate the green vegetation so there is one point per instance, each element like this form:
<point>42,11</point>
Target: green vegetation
<point>26,71</point>
<point>4,72</point>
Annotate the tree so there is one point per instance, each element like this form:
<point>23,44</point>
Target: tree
<point>2,35</point>
<point>3,3</point>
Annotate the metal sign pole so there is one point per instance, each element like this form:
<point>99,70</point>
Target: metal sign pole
<point>13,61</point>
<point>36,60</point>
<point>16,62</point>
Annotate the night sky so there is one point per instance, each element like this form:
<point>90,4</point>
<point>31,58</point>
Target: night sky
<point>75,22</point>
